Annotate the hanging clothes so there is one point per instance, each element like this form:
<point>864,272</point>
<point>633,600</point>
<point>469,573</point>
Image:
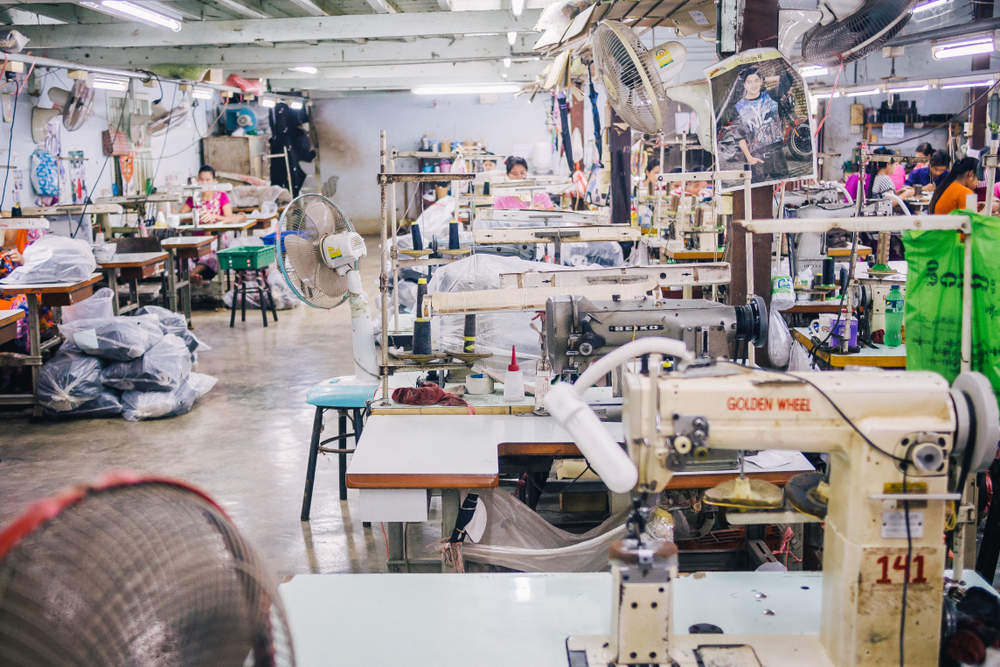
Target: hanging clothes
<point>567,139</point>
<point>287,132</point>
<point>597,118</point>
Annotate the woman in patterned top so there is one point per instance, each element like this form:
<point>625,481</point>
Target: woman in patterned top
<point>214,208</point>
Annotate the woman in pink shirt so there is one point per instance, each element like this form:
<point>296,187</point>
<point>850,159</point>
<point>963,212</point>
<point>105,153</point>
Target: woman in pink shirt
<point>213,208</point>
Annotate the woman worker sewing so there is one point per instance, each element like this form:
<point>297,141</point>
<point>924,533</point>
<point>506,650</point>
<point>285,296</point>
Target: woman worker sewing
<point>961,182</point>
<point>517,170</point>
<point>213,208</point>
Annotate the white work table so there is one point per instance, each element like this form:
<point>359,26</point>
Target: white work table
<point>508,619</point>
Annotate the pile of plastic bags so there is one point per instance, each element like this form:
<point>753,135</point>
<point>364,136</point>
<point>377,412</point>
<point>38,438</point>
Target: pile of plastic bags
<point>139,367</point>
<point>54,259</point>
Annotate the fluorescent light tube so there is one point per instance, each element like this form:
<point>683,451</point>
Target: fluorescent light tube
<point>825,96</point>
<point>909,89</point>
<point>136,12</point>
<point>295,105</point>
<point>859,93</point>
<point>305,69</point>
<point>267,102</point>
<point>811,70</point>
<point>202,93</point>
<point>119,85</point>
<point>932,4</point>
<point>967,84</point>
<point>966,47</point>
<point>473,89</point>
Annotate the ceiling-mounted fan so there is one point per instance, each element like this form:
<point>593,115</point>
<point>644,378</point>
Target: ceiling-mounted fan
<point>75,106</point>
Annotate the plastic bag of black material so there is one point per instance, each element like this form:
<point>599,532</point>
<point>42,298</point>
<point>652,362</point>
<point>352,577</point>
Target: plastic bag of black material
<point>114,338</point>
<point>69,380</point>
<point>108,404</point>
<point>170,322</point>
<point>143,405</point>
<point>163,368</point>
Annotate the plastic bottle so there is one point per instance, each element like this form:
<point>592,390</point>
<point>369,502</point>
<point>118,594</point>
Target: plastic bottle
<point>894,317</point>
<point>513,381</point>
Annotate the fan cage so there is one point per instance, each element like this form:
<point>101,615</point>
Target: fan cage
<point>855,36</point>
<point>136,571</point>
<point>301,229</point>
<point>632,81</point>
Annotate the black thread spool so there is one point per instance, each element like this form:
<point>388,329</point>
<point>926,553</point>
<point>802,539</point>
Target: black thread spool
<point>418,240</point>
<point>453,240</point>
<point>828,272</point>
<point>421,325</point>
<point>470,334</point>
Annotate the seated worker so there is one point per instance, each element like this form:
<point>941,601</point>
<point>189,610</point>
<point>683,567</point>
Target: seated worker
<point>924,151</point>
<point>517,170</point>
<point>652,171</point>
<point>698,189</point>
<point>881,175</point>
<point>929,177</point>
<point>489,165</point>
<point>214,208</point>
<point>960,183</point>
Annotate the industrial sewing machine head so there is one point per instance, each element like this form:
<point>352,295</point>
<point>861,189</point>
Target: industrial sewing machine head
<point>579,331</point>
<point>900,446</point>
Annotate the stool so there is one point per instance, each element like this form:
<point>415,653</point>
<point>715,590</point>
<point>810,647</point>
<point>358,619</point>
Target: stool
<point>351,399</point>
<point>260,286</point>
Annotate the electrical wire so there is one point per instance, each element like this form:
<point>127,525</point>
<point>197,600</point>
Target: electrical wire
<point>121,124</point>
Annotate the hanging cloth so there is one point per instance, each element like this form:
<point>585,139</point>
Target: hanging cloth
<point>567,138</point>
<point>597,117</point>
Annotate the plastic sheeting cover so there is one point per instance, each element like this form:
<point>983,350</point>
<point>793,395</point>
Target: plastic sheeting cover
<point>54,259</point>
<point>518,538</point>
<point>69,380</point>
<point>163,368</point>
<point>143,405</point>
<point>114,338</point>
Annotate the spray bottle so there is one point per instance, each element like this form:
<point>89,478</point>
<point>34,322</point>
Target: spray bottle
<point>513,381</point>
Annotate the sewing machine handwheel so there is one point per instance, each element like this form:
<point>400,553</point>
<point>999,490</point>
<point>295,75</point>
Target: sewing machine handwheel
<point>751,322</point>
<point>801,493</point>
<point>984,420</point>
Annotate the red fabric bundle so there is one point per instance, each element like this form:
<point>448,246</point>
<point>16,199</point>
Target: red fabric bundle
<point>428,394</point>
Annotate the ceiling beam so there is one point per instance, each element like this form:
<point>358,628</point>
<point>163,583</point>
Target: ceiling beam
<point>279,30</point>
<point>242,58</point>
<point>66,12</point>
<point>242,9</point>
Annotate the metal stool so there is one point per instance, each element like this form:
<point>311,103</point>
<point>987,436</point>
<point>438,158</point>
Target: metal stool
<point>350,399</point>
<point>263,289</point>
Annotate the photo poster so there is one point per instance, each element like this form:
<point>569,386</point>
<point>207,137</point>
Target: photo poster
<point>761,118</point>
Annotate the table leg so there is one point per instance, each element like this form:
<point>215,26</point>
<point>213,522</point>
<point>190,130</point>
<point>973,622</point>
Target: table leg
<point>313,455</point>
<point>113,285</point>
<point>263,299</point>
<point>171,281</point>
<point>396,537</point>
<point>133,293</point>
<point>186,290</point>
<point>35,343</point>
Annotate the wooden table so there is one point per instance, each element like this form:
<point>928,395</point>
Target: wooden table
<point>863,251</point>
<point>400,459</point>
<point>814,307</point>
<point>40,294</point>
<point>881,356</point>
<point>180,249</point>
<point>131,267</point>
<point>240,228</point>
<point>8,324</point>
<point>694,255</point>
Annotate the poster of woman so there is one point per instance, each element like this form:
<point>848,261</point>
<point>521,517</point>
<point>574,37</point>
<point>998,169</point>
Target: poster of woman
<point>761,118</point>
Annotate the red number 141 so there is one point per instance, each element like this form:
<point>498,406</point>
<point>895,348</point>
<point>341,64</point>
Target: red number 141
<point>900,566</point>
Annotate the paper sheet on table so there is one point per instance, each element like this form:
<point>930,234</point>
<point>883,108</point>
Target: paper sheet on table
<point>771,458</point>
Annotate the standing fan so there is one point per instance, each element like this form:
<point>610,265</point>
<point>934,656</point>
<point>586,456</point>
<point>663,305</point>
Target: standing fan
<point>639,81</point>
<point>851,29</point>
<point>318,254</point>
<point>135,571</point>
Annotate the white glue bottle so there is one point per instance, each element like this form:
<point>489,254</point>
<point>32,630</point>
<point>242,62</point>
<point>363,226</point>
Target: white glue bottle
<point>513,381</point>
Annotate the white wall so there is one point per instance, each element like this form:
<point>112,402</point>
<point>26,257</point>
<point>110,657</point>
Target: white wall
<point>180,146</point>
<point>348,130</point>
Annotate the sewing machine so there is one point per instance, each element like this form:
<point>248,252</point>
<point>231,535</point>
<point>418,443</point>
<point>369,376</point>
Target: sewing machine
<point>897,443</point>
<point>579,331</point>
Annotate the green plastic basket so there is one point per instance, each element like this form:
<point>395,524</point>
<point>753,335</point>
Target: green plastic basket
<point>246,257</point>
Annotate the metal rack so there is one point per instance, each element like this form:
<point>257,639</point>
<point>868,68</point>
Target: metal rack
<point>390,262</point>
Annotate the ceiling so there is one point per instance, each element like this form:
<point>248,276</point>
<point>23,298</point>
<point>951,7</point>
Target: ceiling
<point>354,44</point>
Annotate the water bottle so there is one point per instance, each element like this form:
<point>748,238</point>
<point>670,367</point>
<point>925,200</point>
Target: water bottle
<point>894,317</point>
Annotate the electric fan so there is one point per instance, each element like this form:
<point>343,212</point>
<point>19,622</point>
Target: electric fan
<point>318,254</point>
<point>75,107</point>
<point>851,29</point>
<point>162,118</point>
<point>135,571</point>
<point>639,82</point>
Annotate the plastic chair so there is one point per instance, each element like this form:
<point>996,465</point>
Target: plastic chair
<point>351,400</point>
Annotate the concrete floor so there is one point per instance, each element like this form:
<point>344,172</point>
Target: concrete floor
<point>245,443</point>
